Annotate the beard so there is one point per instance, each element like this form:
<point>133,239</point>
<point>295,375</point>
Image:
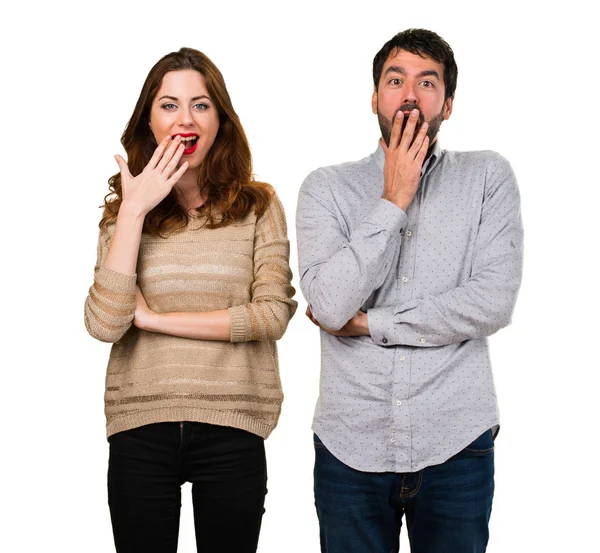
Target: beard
<point>385,124</point>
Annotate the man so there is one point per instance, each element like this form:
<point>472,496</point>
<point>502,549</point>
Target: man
<point>409,259</point>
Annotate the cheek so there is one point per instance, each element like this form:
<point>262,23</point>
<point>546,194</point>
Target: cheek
<point>211,127</point>
<point>389,103</point>
<point>159,125</point>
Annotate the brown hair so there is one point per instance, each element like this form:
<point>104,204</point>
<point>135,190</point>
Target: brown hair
<point>225,175</point>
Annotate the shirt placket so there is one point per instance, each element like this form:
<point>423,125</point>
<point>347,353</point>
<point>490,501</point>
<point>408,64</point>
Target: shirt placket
<point>401,432</point>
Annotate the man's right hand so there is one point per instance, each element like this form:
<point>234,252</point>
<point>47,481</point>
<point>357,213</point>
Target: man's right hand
<point>404,159</point>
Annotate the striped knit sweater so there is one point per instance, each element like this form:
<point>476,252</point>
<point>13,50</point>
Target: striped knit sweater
<point>153,377</point>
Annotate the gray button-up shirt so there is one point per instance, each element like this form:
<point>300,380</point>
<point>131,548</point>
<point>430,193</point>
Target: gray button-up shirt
<point>435,282</point>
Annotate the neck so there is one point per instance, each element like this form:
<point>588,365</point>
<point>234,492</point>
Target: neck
<point>431,147</point>
<point>188,192</point>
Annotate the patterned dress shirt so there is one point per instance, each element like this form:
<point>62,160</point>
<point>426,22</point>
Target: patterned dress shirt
<point>435,281</point>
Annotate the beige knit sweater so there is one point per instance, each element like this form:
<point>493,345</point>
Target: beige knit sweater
<point>154,377</point>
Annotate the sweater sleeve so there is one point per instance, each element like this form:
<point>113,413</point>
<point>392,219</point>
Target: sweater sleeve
<point>110,304</point>
<point>271,307</point>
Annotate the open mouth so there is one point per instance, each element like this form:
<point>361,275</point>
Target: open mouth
<point>190,143</point>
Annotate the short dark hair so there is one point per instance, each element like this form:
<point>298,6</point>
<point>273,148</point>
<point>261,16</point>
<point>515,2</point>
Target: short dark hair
<point>424,43</point>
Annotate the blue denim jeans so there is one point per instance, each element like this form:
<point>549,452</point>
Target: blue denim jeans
<point>447,507</point>
<point>147,467</point>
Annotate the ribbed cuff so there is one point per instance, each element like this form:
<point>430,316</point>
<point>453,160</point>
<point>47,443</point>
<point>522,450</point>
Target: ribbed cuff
<point>238,323</point>
<point>118,282</point>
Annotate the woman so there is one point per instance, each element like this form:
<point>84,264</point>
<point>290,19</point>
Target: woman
<point>192,287</point>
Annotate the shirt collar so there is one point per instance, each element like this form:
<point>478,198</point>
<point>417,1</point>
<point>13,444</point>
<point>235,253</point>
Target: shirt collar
<point>428,166</point>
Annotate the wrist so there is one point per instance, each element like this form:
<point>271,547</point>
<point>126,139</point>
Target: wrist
<point>130,211</point>
<point>148,320</point>
<point>401,202</point>
<point>363,324</point>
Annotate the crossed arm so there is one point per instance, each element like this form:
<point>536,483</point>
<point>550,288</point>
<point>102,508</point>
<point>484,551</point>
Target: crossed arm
<point>115,302</point>
<point>476,309</point>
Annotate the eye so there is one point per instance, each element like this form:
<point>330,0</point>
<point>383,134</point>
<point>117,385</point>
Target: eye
<point>169,106</point>
<point>201,107</point>
<point>395,81</point>
<point>427,84</point>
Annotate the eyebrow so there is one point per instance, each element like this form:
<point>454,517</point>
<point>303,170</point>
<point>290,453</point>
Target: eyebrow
<point>426,73</point>
<point>176,99</point>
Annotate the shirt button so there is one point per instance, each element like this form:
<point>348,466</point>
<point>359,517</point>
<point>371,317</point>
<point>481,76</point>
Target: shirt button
<point>398,402</point>
<point>393,430</point>
<point>384,340</point>
<point>422,340</point>
<point>404,279</point>
<point>402,358</point>
<point>392,440</point>
<point>408,233</point>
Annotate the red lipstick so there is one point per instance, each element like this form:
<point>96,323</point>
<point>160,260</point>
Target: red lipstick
<point>193,143</point>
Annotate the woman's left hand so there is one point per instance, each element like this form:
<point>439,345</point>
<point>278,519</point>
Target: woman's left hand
<point>143,314</point>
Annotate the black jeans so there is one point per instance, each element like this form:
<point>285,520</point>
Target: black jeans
<point>227,469</point>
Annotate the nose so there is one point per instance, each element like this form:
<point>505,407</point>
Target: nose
<point>409,94</point>
<point>184,117</point>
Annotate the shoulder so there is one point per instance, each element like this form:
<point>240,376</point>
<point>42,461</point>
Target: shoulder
<point>478,159</point>
<point>327,181</point>
<point>272,210</point>
<point>339,171</point>
<point>486,170</point>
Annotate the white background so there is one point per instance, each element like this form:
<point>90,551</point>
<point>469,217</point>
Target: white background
<point>299,74</point>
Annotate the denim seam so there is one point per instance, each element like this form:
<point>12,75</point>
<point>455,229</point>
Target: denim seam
<point>412,494</point>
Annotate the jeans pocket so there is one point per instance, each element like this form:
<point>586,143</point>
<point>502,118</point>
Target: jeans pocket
<point>483,445</point>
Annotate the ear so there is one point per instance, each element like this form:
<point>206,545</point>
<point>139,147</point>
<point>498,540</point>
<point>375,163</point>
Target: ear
<point>374,100</point>
<point>448,104</point>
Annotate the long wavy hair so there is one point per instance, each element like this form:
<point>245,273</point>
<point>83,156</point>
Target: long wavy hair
<point>225,175</point>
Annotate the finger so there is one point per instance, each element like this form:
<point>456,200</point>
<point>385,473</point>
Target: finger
<point>383,145</point>
<point>418,141</point>
<point>123,167</point>
<point>172,180</point>
<point>159,152</point>
<point>396,130</point>
<point>409,130</point>
<point>308,311</point>
<point>169,153</point>
<point>420,157</point>
<point>170,167</point>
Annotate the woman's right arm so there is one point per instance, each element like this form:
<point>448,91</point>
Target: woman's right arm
<point>110,305</point>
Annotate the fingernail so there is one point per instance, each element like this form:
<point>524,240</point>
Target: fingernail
<point>414,112</point>
<point>400,115</point>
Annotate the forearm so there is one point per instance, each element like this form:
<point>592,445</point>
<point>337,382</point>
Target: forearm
<point>124,248</point>
<point>210,325</point>
<point>474,311</point>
